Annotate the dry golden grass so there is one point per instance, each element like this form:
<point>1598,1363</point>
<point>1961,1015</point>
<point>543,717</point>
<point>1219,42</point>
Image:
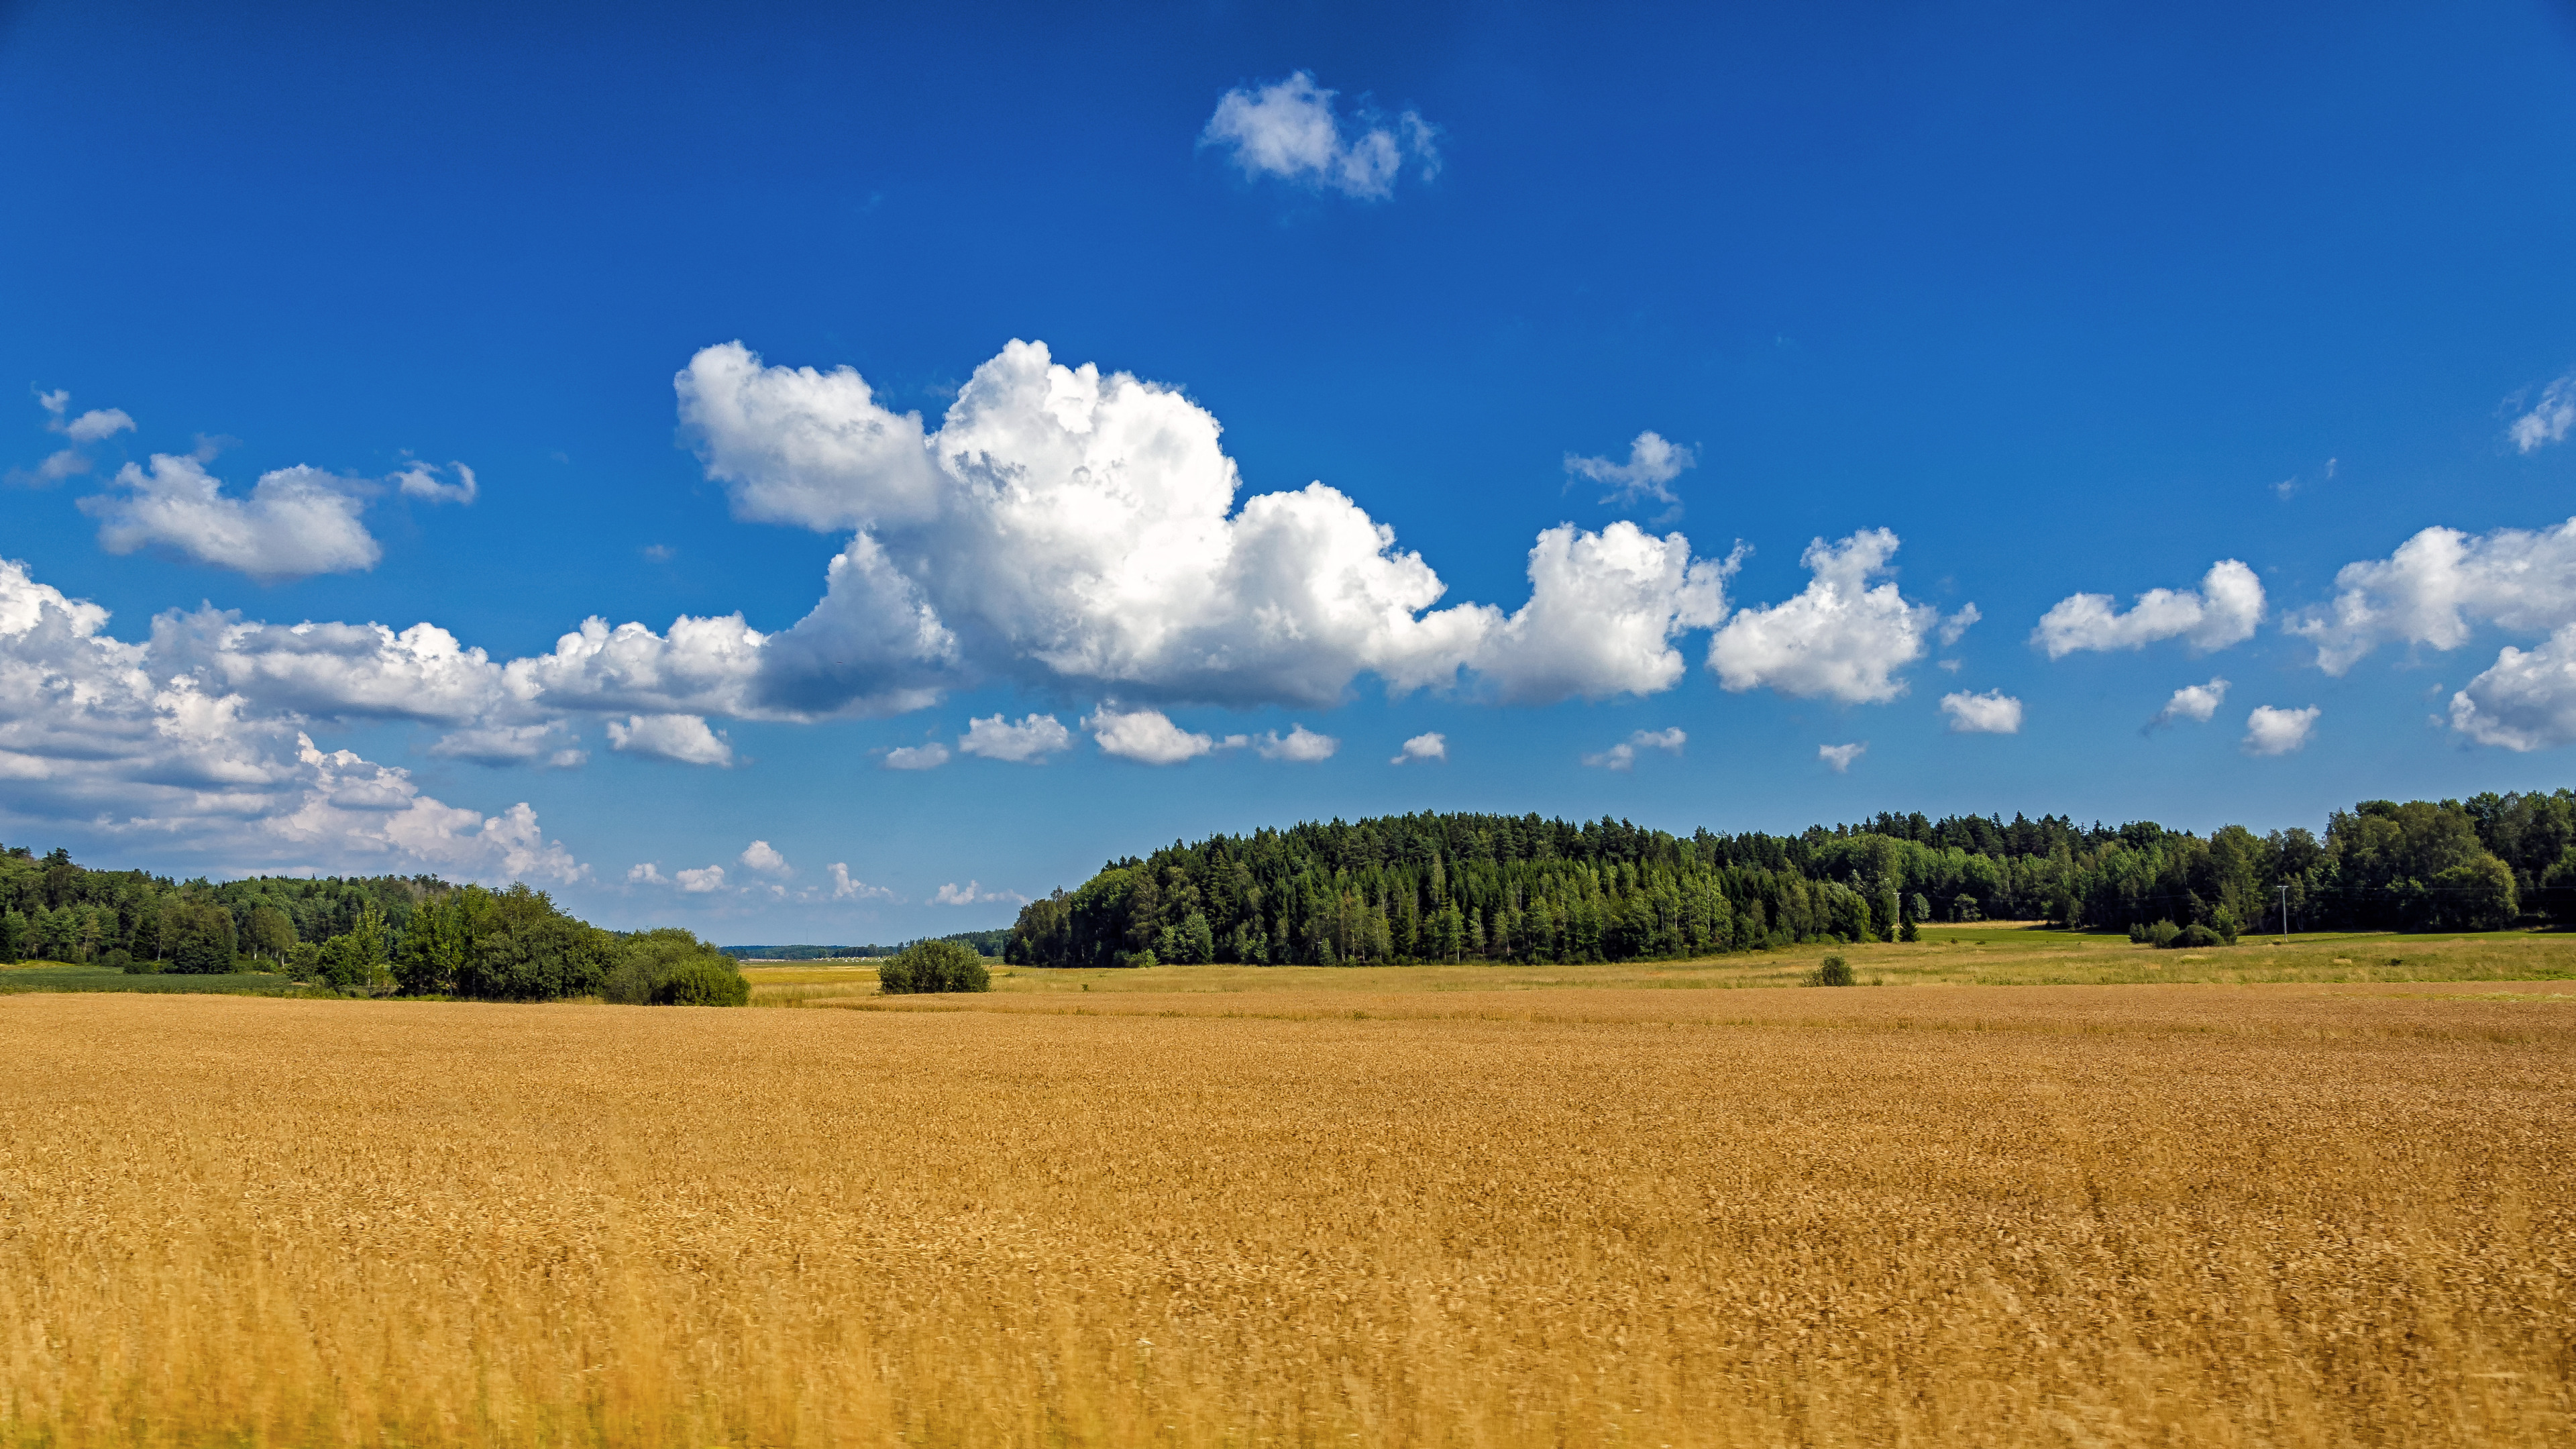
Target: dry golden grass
<point>2268,1215</point>
<point>2007,953</point>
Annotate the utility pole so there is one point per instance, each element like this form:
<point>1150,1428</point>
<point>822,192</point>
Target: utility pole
<point>2285,915</point>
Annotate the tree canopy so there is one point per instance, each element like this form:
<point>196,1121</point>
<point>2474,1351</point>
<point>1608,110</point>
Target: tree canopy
<point>1433,887</point>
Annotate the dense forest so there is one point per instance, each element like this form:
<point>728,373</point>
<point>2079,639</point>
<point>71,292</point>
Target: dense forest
<point>415,934</point>
<point>1505,888</point>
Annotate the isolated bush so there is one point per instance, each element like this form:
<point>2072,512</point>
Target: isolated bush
<point>2160,934</point>
<point>927,966</point>
<point>2193,938</point>
<point>703,983</point>
<point>672,967</point>
<point>117,958</point>
<point>1832,971</point>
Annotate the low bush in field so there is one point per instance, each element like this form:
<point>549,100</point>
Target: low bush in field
<point>672,967</point>
<point>1832,971</point>
<point>927,966</point>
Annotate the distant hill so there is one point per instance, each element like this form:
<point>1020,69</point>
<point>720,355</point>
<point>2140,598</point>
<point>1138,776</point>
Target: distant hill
<point>985,943</point>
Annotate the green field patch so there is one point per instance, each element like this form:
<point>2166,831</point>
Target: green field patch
<point>27,976</point>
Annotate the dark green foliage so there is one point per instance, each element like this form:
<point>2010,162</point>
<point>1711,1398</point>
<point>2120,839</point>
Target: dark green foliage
<point>672,967</point>
<point>526,950</point>
<point>927,966</point>
<point>1832,971</point>
<point>269,932</point>
<point>2193,937</point>
<point>200,935</point>
<point>354,960</point>
<point>1505,888</point>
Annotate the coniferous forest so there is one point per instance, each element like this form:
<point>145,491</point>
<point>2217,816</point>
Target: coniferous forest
<point>1520,888</point>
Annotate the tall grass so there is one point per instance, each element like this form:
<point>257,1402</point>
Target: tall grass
<point>2276,1216</point>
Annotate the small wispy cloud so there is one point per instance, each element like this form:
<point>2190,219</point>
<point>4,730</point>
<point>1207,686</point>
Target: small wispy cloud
<point>1424,747</point>
<point>2274,731</point>
<point>973,893</point>
<point>917,757</point>
<point>1652,465</point>
<point>1991,713</point>
<point>2194,702</point>
<point>1838,758</point>
<point>1291,130</point>
<point>2549,420</point>
<point>1623,756</point>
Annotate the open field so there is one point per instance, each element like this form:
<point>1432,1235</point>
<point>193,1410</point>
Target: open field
<point>1989,954</point>
<point>74,976</point>
<point>2233,1215</point>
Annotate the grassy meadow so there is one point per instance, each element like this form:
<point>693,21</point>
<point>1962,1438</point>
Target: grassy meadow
<point>1437,1206</point>
<point>2009,953</point>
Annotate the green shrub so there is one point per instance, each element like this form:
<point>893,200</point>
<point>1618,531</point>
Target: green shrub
<point>2193,938</point>
<point>2161,934</point>
<point>927,966</point>
<point>1832,971</point>
<point>672,967</point>
<point>700,981</point>
<point>117,958</point>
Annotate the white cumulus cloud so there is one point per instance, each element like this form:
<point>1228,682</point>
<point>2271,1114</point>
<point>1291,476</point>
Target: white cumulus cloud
<point>2549,420</point>
<point>1145,735</point>
<point>973,893</point>
<point>2194,702</point>
<point>1290,129</point>
<point>2440,585</point>
<point>705,880</point>
<point>682,739</point>
<point>1604,609</point>
<point>1423,747</point>
<point>1838,758</point>
<point>1029,742</point>
<point>296,522</point>
<point>1652,465</point>
<point>649,873</point>
<point>2526,700</point>
<point>917,757</point>
<point>1071,528</point>
<point>103,738</point>
<point>1991,713</point>
<point>2273,731</point>
<point>2224,610</point>
<point>1840,638</point>
<point>1299,746</point>
<point>846,887</point>
<point>763,857</point>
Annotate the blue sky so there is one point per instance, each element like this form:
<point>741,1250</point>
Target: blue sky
<point>2004,305</point>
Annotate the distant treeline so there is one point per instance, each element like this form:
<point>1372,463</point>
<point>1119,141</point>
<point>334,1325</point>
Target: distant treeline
<point>1496,887</point>
<point>416,934</point>
<point>983,943</point>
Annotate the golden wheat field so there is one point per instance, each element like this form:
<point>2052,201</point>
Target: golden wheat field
<point>2175,1215</point>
